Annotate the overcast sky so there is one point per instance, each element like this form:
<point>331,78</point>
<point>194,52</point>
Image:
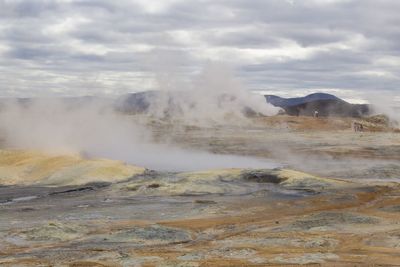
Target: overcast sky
<point>87,47</point>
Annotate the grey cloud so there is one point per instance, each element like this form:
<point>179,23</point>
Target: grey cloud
<point>118,46</point>
<point>28,53</point>
<point>21,8</point>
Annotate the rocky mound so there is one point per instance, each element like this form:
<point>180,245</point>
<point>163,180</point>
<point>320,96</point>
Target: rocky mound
<point>27,168</point>
<point>228,182</point>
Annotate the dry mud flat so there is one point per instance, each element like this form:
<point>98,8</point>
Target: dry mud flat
<point>232,217</point>
<point>121,215</point>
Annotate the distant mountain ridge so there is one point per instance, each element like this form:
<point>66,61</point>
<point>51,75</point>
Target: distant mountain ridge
<point>286,102</point>
<point>324,104</point>
<point>140,102</point>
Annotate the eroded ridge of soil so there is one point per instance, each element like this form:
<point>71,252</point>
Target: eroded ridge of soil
<point>321,208</point>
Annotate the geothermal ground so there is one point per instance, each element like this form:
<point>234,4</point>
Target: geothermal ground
<point>326,196</point>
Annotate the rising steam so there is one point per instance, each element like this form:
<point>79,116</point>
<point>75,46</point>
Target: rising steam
<point>92,128</point>
<point>214,96</point>
<point>387,104</point>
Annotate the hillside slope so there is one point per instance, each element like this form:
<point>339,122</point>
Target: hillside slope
<point>324,104</point>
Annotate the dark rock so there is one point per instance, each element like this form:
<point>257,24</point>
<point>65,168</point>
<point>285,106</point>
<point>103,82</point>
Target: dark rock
<point>153,186</point>
<point>201,201</point>
<point>261,176</point>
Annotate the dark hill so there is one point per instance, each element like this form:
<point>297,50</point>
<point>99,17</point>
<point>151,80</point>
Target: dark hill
<point>136,102</point>
<point>325,104</point>
<point>286,102</point>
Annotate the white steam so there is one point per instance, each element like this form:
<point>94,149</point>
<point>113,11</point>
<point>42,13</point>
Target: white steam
<point>93,128</point>
<point>214,96</point>
<point>387,104</point>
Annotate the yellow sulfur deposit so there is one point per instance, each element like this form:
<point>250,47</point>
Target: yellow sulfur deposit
<point>212,174</point>
<point>301,179</point>
<point>29,167</point>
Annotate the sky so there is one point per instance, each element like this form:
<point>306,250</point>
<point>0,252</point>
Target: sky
<point>288,47</point>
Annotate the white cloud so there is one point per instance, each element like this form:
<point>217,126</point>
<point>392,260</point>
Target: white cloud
<point>65,25</point>
<point>156,6</point>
